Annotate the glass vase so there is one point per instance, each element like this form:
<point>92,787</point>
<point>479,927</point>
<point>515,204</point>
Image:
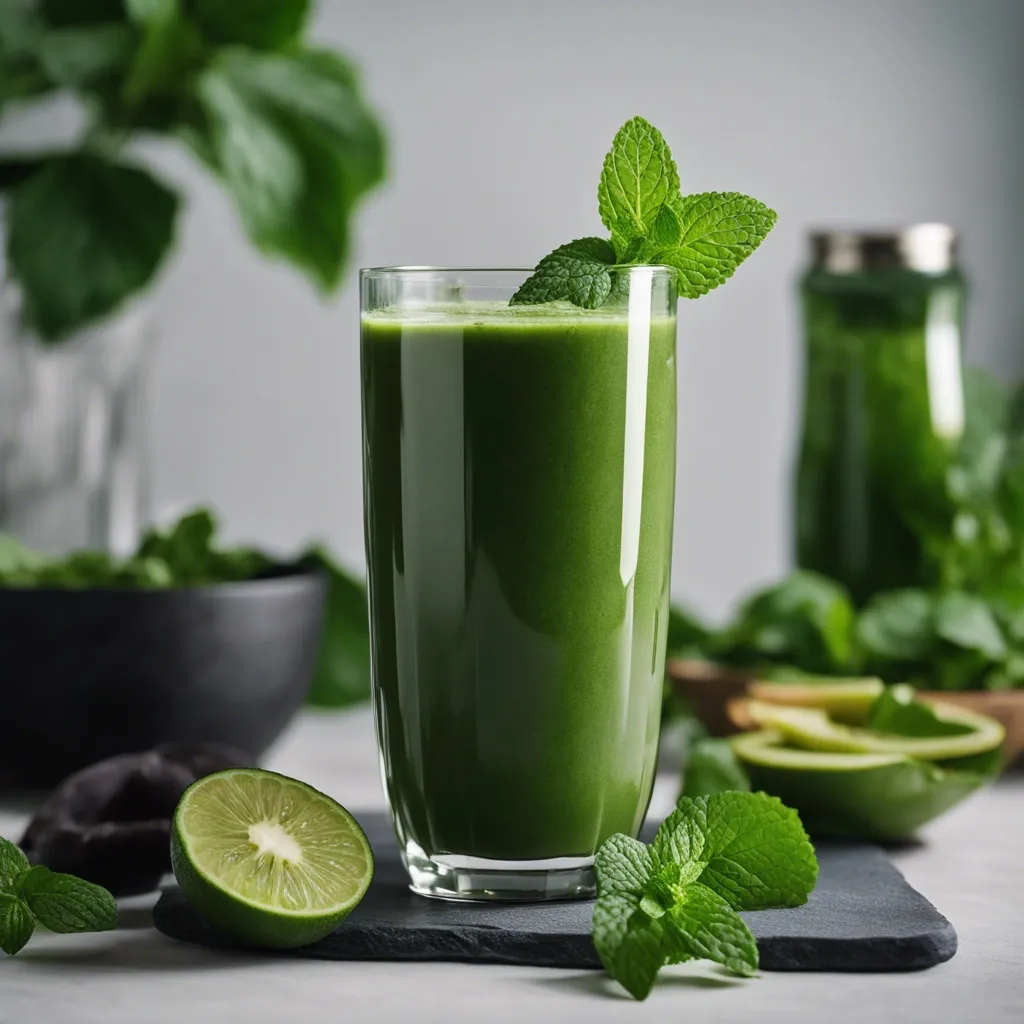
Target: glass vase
<point>72,467</point>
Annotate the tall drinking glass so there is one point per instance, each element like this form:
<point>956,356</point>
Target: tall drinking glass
<point>518,473</point>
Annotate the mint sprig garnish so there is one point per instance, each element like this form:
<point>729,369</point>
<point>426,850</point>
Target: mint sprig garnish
<point>579,272</point>
<point>36,895</point>
<point>703,237</point>
<point>677,899</point>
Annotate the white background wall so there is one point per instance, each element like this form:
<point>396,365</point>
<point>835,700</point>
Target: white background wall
<point>869,113</point>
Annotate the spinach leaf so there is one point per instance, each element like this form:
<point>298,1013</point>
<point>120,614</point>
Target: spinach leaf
<point>342,672</point>
<point>898,626</point>
<point>806,620</point>
<point>187,554</point>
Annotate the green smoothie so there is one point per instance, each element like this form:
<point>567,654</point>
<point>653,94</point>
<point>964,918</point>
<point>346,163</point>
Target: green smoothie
<point>519,470</point>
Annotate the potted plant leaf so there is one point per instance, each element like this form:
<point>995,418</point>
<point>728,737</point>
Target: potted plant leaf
<point>282,124</point>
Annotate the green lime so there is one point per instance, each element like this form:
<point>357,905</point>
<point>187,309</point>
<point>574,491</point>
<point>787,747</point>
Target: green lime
<point>846,700</point>
<point>812,729</point>
<point>869,795</point>
<point>268,859</point>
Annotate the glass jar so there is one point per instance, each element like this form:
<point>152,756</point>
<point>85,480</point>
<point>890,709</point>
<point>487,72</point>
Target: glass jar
<point>883,405</point>
<point>72,471</point>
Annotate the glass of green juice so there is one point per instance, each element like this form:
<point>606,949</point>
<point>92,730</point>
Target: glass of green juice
<point>518,478</point>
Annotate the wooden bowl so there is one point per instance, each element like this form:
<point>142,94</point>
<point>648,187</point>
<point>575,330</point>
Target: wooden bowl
<point>1005,706</point>
<point>708,688</point>
<point>713,692</point>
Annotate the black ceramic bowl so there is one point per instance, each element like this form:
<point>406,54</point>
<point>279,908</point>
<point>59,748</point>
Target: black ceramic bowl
<point>85,674</point>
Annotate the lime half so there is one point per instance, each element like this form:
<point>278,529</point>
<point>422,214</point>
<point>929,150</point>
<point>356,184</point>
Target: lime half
<point>268,859</point>
<point>812,729</point>
<point>869,795</point>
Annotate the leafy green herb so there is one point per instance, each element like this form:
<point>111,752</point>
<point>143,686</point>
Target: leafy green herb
<point>13,863</point>
<point>703,237</point>
<point>678,898</point>
<point>717,231</point>
<point>967,621</point>
<point>60,903</point>
<point>342,672</point>
<point>806,620</point>
<point>579,272</point>
<point>897,711</point>
<point>898,625</point>
<point>16,923</point>
<point>283,125</point>
<point>64,903</point>
<point>82,210</point>
<point>638,178</point>
<point>187,554</point>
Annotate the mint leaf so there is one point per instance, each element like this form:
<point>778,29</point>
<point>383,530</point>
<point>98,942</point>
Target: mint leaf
<point>667,228</point>
<point>83,235</point>
<point>703,926</point>
<point>16,923</point>
<point>678,846</point>
<point>12,863</point>
<point>623,866</point>
<point>629,943</point>
<point>64,903</point>
<point>625,937</point>
<point>578,272</point>
<point>713,768</point>
<point>677,899</point>
<point>261,24</point>
<point>967,621</point>
<point>756,853</point>
<point>719,230</point>
<point>341,675</point>
<point>638,177</point>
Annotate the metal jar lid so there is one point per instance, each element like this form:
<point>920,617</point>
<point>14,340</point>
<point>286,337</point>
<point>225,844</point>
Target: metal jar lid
<point>927,248</point>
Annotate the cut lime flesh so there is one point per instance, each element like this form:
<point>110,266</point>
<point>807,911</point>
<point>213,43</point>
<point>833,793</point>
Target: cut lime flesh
<point>848,700</point>
<point>268,859</point>
<point>868,795</point>
<point>812,729</point>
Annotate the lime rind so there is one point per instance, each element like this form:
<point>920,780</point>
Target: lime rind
<point>863,795</point>
<point>812,729</point>
<point>847,700</point>
<point>218,836</point>
<point>268,859</point>
<point>767,748</point>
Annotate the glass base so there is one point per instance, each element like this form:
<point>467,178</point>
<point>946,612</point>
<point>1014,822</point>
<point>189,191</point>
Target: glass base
<point>478,879</point>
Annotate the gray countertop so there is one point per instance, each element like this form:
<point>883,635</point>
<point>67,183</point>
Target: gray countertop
<point>969,866</point>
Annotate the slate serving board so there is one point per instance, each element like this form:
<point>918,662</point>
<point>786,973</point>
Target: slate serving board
<point>863,916</point>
